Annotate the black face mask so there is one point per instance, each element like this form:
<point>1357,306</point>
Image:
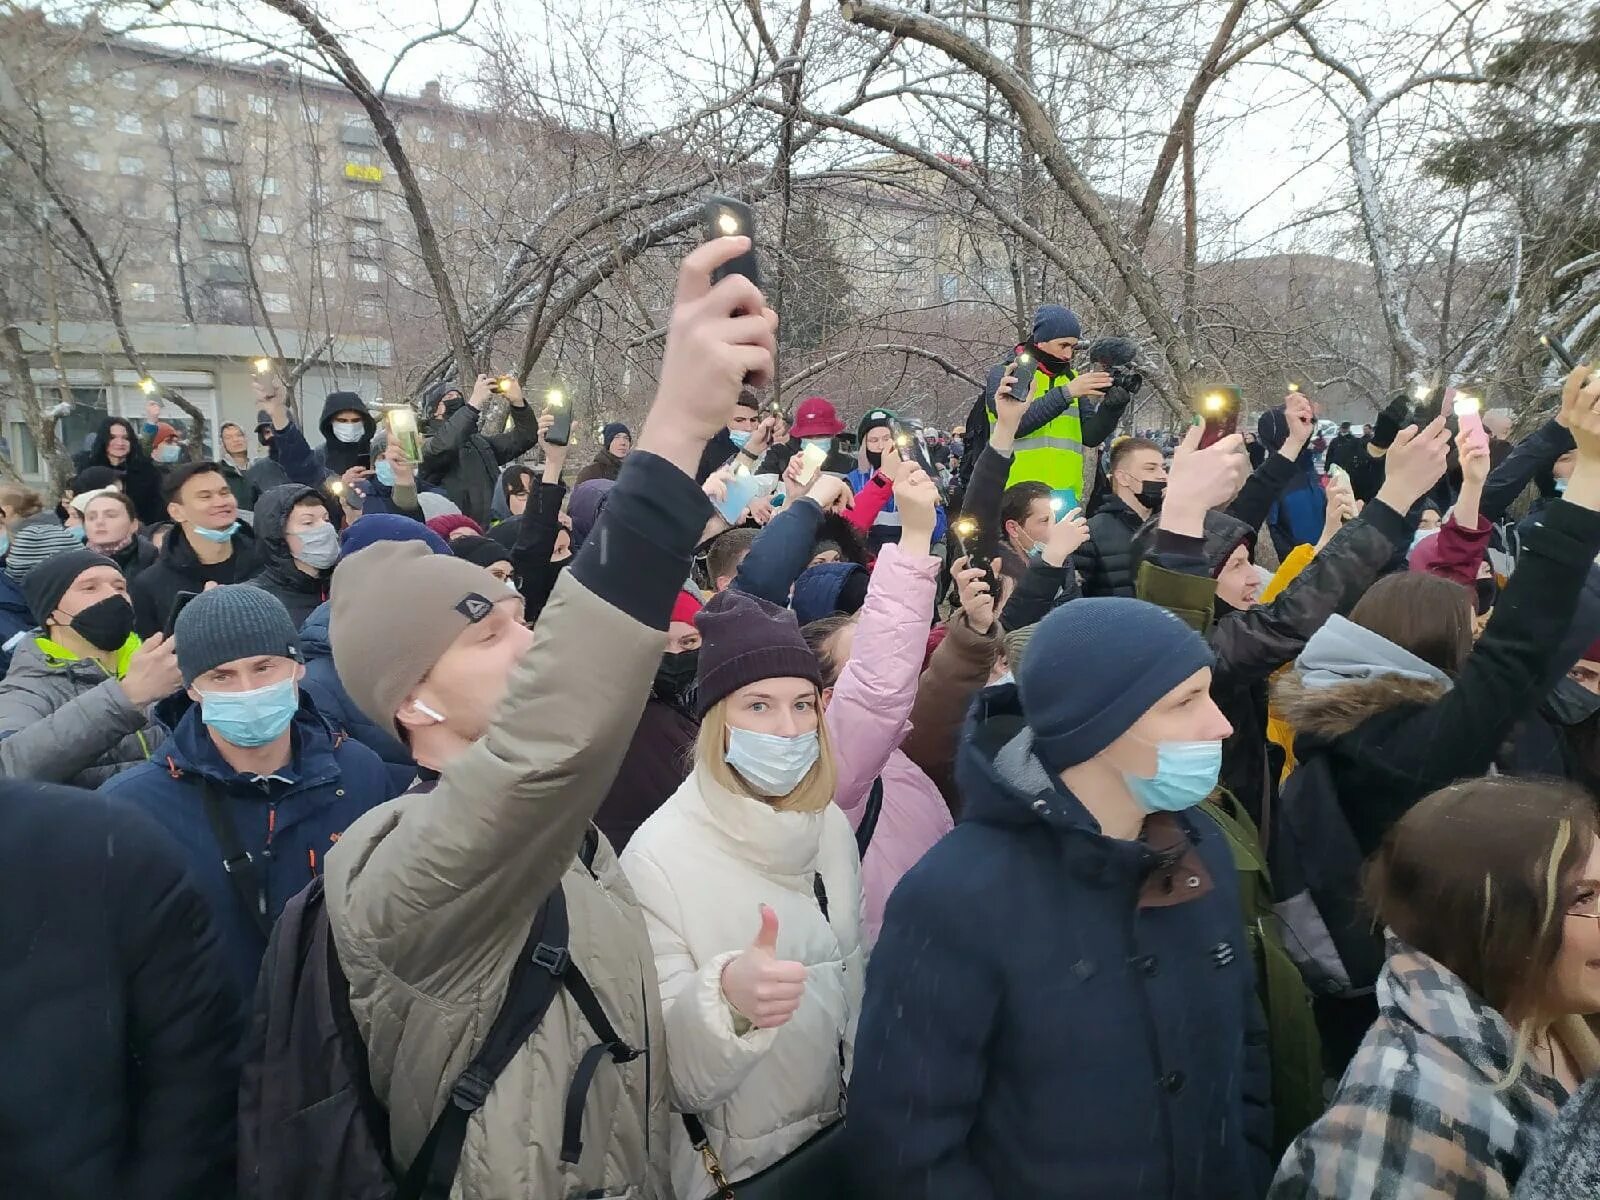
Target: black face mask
<point>1052,365</point>
<point>1485,592</point>
<point>1151,492</point>
<point>1570,703</point>
<point>874,459</point>
<point>106,624</point>
<point>675,680</point>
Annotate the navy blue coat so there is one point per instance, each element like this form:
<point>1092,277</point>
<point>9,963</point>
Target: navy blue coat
<point>288,821</point>
<point>15,617</point>
<point>1030,1032</point>
<point>322,683</point>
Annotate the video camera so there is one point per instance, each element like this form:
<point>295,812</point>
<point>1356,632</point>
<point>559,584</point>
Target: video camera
<point>1114,356</point>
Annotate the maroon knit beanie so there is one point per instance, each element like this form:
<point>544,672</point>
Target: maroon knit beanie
<point>744,639</point>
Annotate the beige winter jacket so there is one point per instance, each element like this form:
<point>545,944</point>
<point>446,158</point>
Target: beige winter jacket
<point>431,897</point>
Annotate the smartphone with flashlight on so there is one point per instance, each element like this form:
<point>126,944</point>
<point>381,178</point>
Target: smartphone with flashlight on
<point>1021,369</point>
<point>501,382</point>
<point>723,216</point>
<point>811,460</point>
<point>1219,409</point>
<point>560,432</point>
<point>1558,348</point>
<point>402,423</point>
<point>966,531</point>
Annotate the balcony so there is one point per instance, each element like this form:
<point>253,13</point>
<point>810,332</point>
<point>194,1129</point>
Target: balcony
<point>220,274</point>
<point>359,133</point>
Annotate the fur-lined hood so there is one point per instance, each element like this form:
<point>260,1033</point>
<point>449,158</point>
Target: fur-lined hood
<point>1326,713</point>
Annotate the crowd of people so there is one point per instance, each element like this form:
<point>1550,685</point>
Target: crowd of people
<point>809,803</point>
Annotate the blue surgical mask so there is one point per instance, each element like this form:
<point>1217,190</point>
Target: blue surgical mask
<point>739,437</point>
<point>773,765</point>
<point>251,718</point>
<point>167,452</point>
<point>1186,773</point>
<point>79,533</point>
<point>385,472</point>
<point>1007,678</point>
<point>1561,486</point>
<point>1422,535</point>
<point>5,541</point>
<point>825,444</point>
<point>348,432</point>
<point>217,535</point>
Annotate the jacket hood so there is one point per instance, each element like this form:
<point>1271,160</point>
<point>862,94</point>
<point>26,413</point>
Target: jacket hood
<point>587,502</point>
<point>828,588</point>
<point>437,392</point>
<point>1223,535</point>
<point>1342,651</point>
<point>1326,713</point>
<point>338,402</point>
<point>272,514</point>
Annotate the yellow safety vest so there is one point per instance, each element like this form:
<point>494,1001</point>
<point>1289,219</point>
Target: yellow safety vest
<point>1053,453</point>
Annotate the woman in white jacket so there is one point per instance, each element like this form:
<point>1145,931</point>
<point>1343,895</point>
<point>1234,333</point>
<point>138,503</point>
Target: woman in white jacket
<point>751,888</point>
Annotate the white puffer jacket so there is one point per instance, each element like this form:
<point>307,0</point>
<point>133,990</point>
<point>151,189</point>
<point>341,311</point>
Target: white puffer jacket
<point>701,866</point>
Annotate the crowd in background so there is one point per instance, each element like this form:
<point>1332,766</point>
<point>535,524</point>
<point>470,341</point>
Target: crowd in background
<point>808,802</point>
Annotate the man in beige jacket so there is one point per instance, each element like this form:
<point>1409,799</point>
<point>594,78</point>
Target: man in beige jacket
<point>518,735</point>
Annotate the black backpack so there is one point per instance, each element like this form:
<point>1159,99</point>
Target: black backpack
<point>1316,864</point>
<point>310,1125</point>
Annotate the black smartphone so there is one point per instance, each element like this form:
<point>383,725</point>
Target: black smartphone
<point>966,534</point>
<point>179,603</point>
<point>560,433</point>
<point>723,216</point>
<point>499,384</point>
<point>1021,369</point>
<point>1219,408</point>
<point>1558,348</point>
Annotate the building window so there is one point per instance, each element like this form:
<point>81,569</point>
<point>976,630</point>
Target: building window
<point>276,302</point>
<point>212,142</point>
<point>130,165</point>
<point>458,141</point>
<point>274,264</point>
<point>130,123</point>
<point>167,88</point>
<point>462,214</point>
<point>949,287</point>
<point>370,307</point>
<point>270,224</point>
<point>364,203</point>
<point>232,259</point>
<point>261,105</point>
<point>144,293</point>
<point>361,158</point>
<point>330,269</point>
<point>424,133</point>
<point>126,80</point>
<point>218,182</point>
<point>174,130</point>
<point>269,186</point>
<point>80,73</point>
<point>87,159</point>
<point>82,116</point>
<point>367,273</point>
<point>138,208</point>
<point>209,100</point>
<point>313,113</point>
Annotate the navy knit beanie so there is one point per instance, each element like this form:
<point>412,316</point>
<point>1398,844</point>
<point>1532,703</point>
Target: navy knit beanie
<point>611,431</point>
<point>387,527</point>
<point>1055,321</point>
<point>1097,665</point>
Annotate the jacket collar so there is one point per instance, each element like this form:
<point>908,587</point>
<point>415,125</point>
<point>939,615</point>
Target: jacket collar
<point>311,763</point>
<point>56,655</point>
<point>784,843</point>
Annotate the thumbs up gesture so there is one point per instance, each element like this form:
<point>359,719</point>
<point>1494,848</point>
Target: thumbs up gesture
<point>761,987</point>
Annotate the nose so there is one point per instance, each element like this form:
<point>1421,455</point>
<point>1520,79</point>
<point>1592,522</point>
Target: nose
<point>1217,725</point>
<point>789,723</point>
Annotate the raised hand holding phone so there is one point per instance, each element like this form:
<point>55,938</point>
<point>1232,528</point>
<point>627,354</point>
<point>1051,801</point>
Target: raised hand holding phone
<point>1066,536</point>
<point>1202,479</point>
<point>972,587</point>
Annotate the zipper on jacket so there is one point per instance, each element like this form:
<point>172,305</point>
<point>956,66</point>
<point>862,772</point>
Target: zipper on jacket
<point>1164,1110</point>
<point>644,1019</point>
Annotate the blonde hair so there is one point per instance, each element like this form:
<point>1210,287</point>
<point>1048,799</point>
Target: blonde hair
<point>813,793</point>
<point>19,502</point>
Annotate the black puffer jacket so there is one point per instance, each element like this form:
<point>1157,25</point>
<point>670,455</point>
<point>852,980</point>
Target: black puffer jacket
<point>300,593</point>
<point>1105,562</point>
<point>336,457</point>
<point>119,1068</point>
<point>179,569</point>
<point>460,461</point>
<point>1251,644</point>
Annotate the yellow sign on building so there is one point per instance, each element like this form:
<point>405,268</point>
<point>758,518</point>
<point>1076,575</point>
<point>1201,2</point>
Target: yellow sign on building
<point>364,173</point>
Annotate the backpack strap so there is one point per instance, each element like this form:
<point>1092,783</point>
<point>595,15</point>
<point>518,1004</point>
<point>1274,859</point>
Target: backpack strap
<point>610,1043</point>
<point>238,862</point>
<point>869,817</point>
<point>535,980</point>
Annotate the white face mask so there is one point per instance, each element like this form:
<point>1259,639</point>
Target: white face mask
<point>773,765</point>
<point>348,431</point>
<point>319,546</point>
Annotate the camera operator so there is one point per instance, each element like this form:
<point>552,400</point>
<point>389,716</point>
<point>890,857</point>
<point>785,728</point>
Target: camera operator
<point>1058,425</point>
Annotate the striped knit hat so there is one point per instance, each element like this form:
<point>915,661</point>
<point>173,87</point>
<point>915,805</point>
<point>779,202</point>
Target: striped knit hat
<point>33,543</point>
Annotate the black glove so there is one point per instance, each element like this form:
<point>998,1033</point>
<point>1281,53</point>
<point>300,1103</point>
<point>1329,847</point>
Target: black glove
<point>1391,420</point>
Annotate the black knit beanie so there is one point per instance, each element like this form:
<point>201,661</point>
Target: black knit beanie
<point>46,583</point>
<point>745,639</point>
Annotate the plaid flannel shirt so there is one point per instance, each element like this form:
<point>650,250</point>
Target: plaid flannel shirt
<point>1417,1116</point>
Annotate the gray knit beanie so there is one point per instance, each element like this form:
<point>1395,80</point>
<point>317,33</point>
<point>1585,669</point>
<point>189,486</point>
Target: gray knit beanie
<point>229,622</point>
<point>35,541</point>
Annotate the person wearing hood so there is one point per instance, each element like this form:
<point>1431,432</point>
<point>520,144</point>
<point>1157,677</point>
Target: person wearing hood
<point>209,545</point>
<point>459,460</point>
<point>116,445</point>
<point>253,784</point>
<point>875,436</point>
<point>1397,701</point>
<point>1138,474</point>
<point>750,883</point>
<point>235,463</point>
<point>1061,1002</point>
<point>1296,519</point>
<point>299,546</point>
<point>347,428</point>
<point>123,1028</point>
<point>111,527</point>
<point>1058,425</point>
<point>75,707</point>
<point>1487,893</point>
<point>588,502</point>
<point>616,439</point>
